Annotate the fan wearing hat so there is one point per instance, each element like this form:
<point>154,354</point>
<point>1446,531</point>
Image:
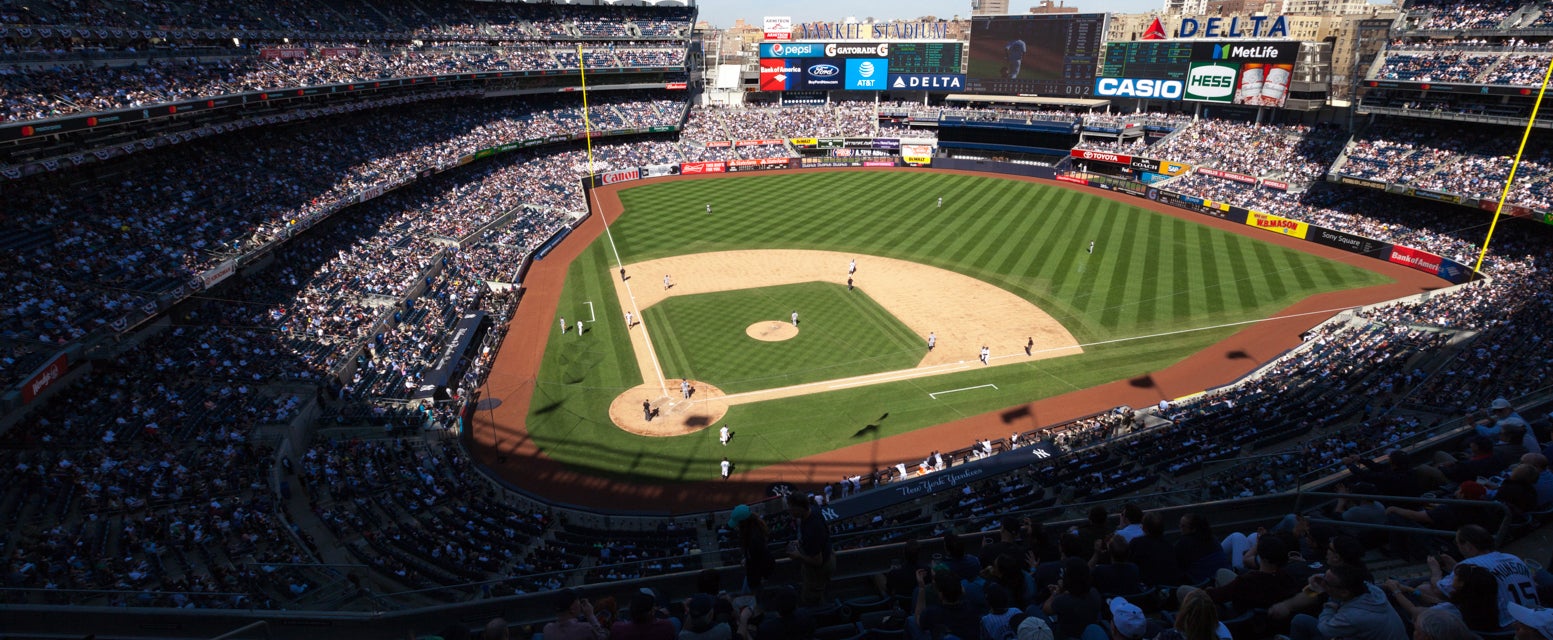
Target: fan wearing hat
<point>1500,415</point>
<point>1127,621</point>
<point>754,540</point>
<point>574,619</point>
<point>701,623</point>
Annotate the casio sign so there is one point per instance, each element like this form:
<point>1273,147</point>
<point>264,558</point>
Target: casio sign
<point>1139,88</point>
<point>823,70</point>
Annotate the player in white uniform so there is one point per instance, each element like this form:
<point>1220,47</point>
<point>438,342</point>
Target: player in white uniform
<point>724,435</point>
<point>628,319</point>
<point>940,202</point>
<point>795,317</point>
<point>579,327</point>
<point>665,282</point>
<point>727,466</point>
<point>932,340</point>
<point>563,324</point>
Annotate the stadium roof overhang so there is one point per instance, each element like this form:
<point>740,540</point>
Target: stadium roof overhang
<point>1035,101</point>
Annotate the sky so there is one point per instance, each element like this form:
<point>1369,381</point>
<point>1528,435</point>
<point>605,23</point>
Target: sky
<point>722,13</point>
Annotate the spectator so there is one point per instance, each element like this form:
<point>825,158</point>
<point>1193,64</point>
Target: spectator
<point>1259,588</point>
<point>1113,574</point>
<point>1198,619</point>
<point>1354,609</point>
<point>1131,525</point>
<point>1073,601</point>
<point>1436,624</point>
<point>574,619</point>
<point>1515,581</point>
<point>646,621</point>
<point>812,551</point>
<point>1198,555</point>
<point>1154,556</point>
<point>1474,601</point>
<point>754,541</point>
<point>1532,623</point>
<point>700,623</point>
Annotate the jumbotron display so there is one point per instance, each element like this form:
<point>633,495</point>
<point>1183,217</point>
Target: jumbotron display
<point>1053,55</point>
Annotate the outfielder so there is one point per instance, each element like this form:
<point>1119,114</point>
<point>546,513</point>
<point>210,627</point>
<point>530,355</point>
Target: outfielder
<point>579,327</point>
<point>724,435</point>
<point>727,466</point>
<point>986,354</point>
<point>563,325</point>
<point>1091,246</point>
<point>708,208</point>
<point>940,202</point>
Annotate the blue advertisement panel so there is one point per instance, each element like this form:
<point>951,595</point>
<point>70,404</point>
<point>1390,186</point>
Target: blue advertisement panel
<point>792,50</point>
<point>927,81</point>
<point>867,74</point>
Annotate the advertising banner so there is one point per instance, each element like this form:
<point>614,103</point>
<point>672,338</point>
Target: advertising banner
<point>775,163</point>
<point>719,144</point>
<point>886,143</point>
<point>1420,260</point>
<point>1277,224</point>
<point>1224,211</point>
<point>1275,184</point>
<point>917,155</point>
<point>1141,88</point>
<point>804,143</point>
<point>1454,271</point>
<point>656,170</point>
<point>1101,156</point>
<point>676,86</point>
<point>1226,175</point>
<point>777,27</point>
<point>1349,242</point>
<point>830,161</point>
<point>1510,208</point>
<point>830,143</point>
<point>927,81</point>
<point>220,272</point>
<point>864,74</point>
<point>1361,182</point>
<point>626,175</point>
<point>282,53</point>
<point>878,163</point>
<point>45,377</point>
<point>341,52</point>
<point>1437,196</point>
<point>1063,177</point>
<point>689,168</point>
<point>792,50</point>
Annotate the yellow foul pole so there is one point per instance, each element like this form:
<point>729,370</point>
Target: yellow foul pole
<point>1505,195</point>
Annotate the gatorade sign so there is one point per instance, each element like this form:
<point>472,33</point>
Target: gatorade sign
<point>1211,82</point>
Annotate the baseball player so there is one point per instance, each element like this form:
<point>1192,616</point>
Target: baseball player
<point>724,435</point>
<point>1091,246</point>
<point>684,388</point>
<point>795,317</point>
<point>563,325</point>
<point>727,466</point>
<point>647,410</point>
<point>628,319</point>
<point>852,268</point>
<point>665,282</point>
<point>986,354</point>
<point>708,208</point>
<point>849,283</point>
<point>622,274</point>
<point>1016,55</point>
<point>1029,345</point>
<point>940,202</point>
<point>901,468</point>
<point>579,327</point>
<point>932,340</point>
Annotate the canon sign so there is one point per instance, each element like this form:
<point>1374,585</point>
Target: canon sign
<point>1139,88</point>
<point>622,176</point>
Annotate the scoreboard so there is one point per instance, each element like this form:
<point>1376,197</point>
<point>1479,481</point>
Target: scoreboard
<point>1053,55</point>
<point>1154,60</point>
<point>926,57</point>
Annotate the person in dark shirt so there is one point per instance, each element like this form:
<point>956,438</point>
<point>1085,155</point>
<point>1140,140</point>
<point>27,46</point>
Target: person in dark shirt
<point>1113,574</point>
<point>1198,554</point>
<point>964,565</point>
<point>1073,602</point>
<point>1264,586</point>
<point>1007,543</point>
<point>1519,491</point>
<point>812,552</point>
<point>942,608</point>
<point>1047,573</point>
<point>1155,559</point>
<point>1396,478</point>
<point>901,578</point>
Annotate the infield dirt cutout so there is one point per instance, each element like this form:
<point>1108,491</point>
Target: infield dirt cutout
<point>964,314</point>
<point>772,331</point>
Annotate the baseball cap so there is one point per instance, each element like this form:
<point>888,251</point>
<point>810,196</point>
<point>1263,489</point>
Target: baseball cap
<point>1540,620</point>
<point>1471,490</point>
<point>740,514</point>
<point>1034,629</point>
<point>1500,403</point>
<point>1127,618</point>
<point>700,605</point>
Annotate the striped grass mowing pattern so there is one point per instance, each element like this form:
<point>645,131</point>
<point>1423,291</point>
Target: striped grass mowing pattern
<point>842,334</point>
<point>1149,274</point>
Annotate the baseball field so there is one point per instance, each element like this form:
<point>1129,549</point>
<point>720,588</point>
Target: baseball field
<point>1003,264</point>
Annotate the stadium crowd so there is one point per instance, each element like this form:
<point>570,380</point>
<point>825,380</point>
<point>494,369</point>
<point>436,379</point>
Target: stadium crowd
<point>1474,163</point>
<point>1296,154</point>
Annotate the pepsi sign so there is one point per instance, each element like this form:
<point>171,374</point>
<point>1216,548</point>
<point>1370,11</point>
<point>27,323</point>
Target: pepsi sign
<point>792,50</point>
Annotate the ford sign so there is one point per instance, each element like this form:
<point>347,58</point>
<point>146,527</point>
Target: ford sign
<point>824,70</point>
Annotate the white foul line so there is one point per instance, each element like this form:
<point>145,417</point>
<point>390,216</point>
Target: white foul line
<point>591,316</point>
<point>935,395</point>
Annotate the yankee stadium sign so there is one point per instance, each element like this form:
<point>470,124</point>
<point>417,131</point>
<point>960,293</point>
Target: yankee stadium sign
<point>880,31</point>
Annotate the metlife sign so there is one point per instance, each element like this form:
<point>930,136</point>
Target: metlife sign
<point>1141,88</point>
<point>927,82</point>
<point>1211,82</point>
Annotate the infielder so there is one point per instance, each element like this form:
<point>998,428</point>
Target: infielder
<point>1029,345</point>
<point>727,466</point>
<point>932,340</point>
<point>724,435</point>
<point>628,319</point>
<point>684,388</point>
<point>665,282</point>
<point>795,317</point>
<point>852,268</point>
<point>986,354</point>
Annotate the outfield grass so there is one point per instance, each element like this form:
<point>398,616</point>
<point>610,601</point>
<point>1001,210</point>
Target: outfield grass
<point>842,334</point>
<point>1149,274</point>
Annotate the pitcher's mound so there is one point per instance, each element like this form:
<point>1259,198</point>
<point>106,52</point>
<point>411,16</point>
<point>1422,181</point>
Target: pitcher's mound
<point>672,415</point>
<point>771,331</point>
